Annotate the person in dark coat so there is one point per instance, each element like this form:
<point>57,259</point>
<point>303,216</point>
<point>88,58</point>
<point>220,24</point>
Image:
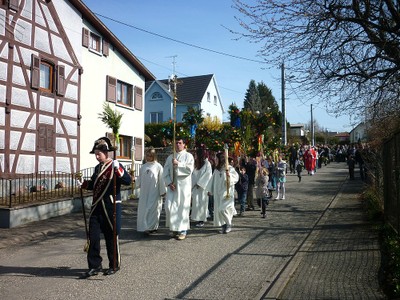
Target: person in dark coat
<point>101,218</point>
<point>251,167</point>
<point>292,158</point>
<point>241,188</point>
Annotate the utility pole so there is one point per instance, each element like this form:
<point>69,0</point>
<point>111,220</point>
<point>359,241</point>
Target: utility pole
<point>284,139</point>
<point>312,128</point>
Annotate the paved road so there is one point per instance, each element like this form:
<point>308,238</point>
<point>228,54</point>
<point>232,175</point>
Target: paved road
<point>316,244</point>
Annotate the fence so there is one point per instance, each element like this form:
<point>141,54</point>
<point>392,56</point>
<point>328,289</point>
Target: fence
<point>391,175</point>
<point>43,186</point>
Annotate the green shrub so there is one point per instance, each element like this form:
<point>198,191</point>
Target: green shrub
<point>390,250</point>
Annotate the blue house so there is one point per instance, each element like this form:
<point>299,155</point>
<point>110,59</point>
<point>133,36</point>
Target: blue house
<point>200,92</point>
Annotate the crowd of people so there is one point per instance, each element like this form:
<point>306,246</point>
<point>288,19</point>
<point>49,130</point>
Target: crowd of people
<point>196,188</point>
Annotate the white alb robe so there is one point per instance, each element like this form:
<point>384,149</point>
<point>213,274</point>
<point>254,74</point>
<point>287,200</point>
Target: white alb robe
<point>200,179</point>
<point>177,203</point>
<point>224,208</point>
<point>152,187</point>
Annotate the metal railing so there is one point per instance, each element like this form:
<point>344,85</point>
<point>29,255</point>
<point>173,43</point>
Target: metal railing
<point>43,186</point>
<point>391,175</point>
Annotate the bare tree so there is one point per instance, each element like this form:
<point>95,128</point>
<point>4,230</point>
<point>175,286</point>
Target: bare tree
<point>346,52</point>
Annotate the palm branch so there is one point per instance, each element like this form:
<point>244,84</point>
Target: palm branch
<point>112,119</point>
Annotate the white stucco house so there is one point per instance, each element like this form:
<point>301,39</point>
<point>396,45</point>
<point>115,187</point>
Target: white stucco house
<point>297,130</point>
<point>58,65</point>
<point>200,92</point>
<point>359,133</point>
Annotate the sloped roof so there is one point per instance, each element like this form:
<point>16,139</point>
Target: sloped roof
<point>342,134</point>
<point>190,89</point>
<point>111,38</point>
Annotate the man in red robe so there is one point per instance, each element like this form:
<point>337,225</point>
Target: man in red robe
<point>310,157</point>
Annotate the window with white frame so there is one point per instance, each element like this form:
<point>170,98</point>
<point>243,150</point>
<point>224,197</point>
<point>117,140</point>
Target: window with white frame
<point>215,100</point>
<point>208,97</point>
<point>156,117</point>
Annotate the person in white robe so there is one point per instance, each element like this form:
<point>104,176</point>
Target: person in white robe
<point>224,203</point>
<point>178,179</point>
<point>152,186</point>
<point>200,177</point>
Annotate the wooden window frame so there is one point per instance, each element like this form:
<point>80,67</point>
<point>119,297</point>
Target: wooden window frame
<point>50,77</point>
<point>125,147</point>
<point>57,78</point>
<point>95,42</point>
<point>124,89</point>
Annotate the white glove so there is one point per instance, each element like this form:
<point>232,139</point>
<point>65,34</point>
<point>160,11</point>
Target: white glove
<point>116,164</point>
<point>79,183</point>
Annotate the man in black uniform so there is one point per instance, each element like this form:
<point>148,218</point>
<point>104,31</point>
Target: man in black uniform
<point>251,167</point>
<point>101,213</point>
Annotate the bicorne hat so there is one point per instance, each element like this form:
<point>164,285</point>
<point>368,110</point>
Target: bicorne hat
<point>103,144</point>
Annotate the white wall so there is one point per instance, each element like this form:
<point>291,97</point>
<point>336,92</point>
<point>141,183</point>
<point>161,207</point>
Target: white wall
<point>96,67</point>
<point>210,107</point>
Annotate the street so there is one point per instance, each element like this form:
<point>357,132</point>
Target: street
<point>315,244</point>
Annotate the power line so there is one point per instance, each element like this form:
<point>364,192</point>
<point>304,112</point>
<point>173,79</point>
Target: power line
<point>180,42</point>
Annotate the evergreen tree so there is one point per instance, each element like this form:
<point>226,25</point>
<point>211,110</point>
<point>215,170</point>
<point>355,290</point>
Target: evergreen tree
<point>268,102</point>
<point>252,99</point>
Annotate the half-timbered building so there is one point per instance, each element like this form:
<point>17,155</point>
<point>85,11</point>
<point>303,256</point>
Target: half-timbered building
<point>59,64</point>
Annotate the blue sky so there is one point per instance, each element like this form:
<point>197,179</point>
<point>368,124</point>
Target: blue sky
<point>204,24</point>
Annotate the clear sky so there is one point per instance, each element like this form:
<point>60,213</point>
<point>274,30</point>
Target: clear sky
<point>194,33</point>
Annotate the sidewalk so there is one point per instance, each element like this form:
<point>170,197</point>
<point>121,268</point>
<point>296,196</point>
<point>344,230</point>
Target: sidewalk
<point>316,244</point>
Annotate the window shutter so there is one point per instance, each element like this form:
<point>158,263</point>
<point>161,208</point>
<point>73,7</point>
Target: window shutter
<point>49,139</point>
<point>61,80</point>
<point>138,98</point>
<point>130,95</point>
<point>13,4</point>
<point>35,72</point>
<point>41,144</point>
<point>138,149</point>
<point>106,48</point>
<point>111,89</point>
<point>85,37</point>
